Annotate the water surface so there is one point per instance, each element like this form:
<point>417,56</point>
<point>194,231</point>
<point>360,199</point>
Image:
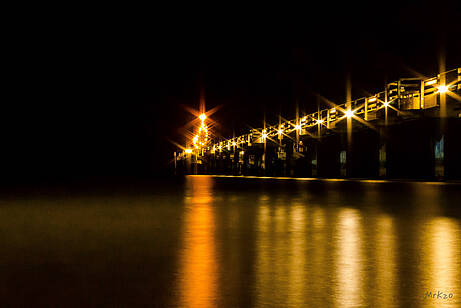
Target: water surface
<point>233,242</point>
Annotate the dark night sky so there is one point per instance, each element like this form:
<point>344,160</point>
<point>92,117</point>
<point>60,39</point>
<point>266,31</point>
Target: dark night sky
<point>105,104</point>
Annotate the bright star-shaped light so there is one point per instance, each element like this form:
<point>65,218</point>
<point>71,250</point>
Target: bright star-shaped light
<point>349,114</point>
<point>443,89</point>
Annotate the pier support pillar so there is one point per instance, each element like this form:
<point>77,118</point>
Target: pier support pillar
<point>439,157</point>
<point>382,172</point>
<point>343,163</point>
<point>314,161</point>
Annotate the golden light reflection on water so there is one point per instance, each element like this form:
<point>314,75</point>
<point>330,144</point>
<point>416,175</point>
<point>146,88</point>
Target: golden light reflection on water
<point>297,257</point>
<point>385,263</point>
<point>319,263</point>
<point>198,275</point>
<point>281,259</point>
<point>349,290</point>
<point>322,252</point>
<point>263,253</point>
<point>280,254</point>
<point>440,263</point>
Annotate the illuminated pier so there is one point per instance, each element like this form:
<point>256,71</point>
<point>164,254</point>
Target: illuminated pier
<point>409,130</point>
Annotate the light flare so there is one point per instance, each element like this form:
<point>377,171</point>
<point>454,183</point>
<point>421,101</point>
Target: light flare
<point>443,89</point>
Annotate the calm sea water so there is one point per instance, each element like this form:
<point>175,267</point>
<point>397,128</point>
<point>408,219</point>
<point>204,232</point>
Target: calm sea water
<point>233,242</point>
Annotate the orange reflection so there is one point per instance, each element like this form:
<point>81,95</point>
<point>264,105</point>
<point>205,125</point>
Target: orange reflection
<point>198,275</point>
<point>281,254</point>
<point>297,257</point>
<point>385,263</point>
<point>263,254</point>
<point>319,261</point>
<point>441,261</point>
<point>349,260</point>
<point>280,257</point>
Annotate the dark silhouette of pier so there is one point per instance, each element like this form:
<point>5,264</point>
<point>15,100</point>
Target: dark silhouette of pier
<point>409,130</point>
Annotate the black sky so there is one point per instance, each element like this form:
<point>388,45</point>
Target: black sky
<point>106,101</point>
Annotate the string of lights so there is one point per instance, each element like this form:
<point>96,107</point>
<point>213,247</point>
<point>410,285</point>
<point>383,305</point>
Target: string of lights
<point>357,109</point>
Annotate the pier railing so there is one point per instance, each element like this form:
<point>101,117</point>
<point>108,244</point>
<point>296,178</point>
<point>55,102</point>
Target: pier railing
<point>403,95</point>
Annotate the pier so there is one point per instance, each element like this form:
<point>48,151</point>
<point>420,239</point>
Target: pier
<point>411,130</point>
